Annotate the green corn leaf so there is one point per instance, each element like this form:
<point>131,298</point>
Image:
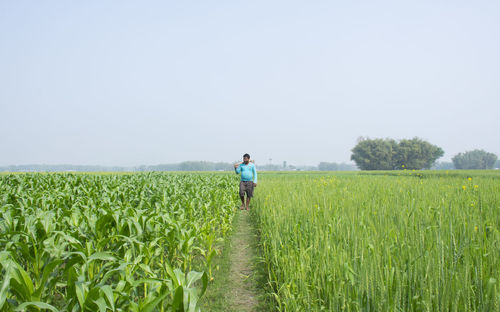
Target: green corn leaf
<point>101,304</point>
<point>4,288</point>
<point>177,302</point>
<point>120,270</point>
<point>106,256</point>
<point>192,277</point>
<point>108,292</point>
<point>81,293</point>
<point>121,286</point>
<point>152,305</point>
<point>37,304</point>
<point>21,282</point>
<point>204,283</point>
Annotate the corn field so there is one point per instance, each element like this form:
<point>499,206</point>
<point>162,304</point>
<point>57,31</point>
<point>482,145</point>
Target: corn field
<point>116,242</point>
<point>411,241</point>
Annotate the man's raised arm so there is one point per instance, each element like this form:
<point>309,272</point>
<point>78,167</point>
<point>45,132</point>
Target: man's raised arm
<point>237,168</point>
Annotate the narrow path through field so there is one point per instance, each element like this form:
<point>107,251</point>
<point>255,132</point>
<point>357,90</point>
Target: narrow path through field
<point>238,280</point>
<point>243,294</point>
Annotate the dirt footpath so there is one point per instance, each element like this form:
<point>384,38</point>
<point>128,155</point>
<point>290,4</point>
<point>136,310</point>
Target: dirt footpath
<point>244,294</point>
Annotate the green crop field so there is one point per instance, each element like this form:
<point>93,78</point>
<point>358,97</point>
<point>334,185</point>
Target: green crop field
<point>110,242</point>
<point>384,241</point>
<point>355,241</point>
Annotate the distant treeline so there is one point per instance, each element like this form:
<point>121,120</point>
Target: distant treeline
<point>56,168</point>
<point>201,166</point>
<point>183,166</point>
<point>189,166</point>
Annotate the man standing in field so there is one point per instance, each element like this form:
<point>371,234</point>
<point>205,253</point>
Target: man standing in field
<point>248,179</point>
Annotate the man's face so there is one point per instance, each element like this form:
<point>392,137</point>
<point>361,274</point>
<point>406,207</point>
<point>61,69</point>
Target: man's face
<point>246,160</point>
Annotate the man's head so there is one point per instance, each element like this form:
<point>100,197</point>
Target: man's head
<point>246,158</point>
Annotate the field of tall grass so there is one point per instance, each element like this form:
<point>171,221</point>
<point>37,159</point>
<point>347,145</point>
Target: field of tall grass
<point>385,241</point>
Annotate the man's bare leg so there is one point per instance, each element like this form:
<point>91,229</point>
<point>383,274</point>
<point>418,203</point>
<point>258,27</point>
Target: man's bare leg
<point>248,203</point>
<point>242,202</point>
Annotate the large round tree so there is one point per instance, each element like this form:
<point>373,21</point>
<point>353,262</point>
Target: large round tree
<point>389,154</point>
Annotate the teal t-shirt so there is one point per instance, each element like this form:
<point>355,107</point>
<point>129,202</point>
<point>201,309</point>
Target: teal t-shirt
<point>248,172</point>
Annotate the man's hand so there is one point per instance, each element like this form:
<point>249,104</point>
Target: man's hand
<point>255,185</point>
<point>237,164</point>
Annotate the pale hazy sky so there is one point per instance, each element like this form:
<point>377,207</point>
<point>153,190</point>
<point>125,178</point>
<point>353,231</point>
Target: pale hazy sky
<point>149,82</point>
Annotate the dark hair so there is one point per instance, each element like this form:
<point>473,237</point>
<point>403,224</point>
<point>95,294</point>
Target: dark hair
<point>247,156</point>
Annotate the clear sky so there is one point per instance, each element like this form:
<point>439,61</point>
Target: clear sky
<point>149,82</point>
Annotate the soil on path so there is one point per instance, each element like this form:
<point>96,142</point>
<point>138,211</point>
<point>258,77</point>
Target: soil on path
<point>243,295</point>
